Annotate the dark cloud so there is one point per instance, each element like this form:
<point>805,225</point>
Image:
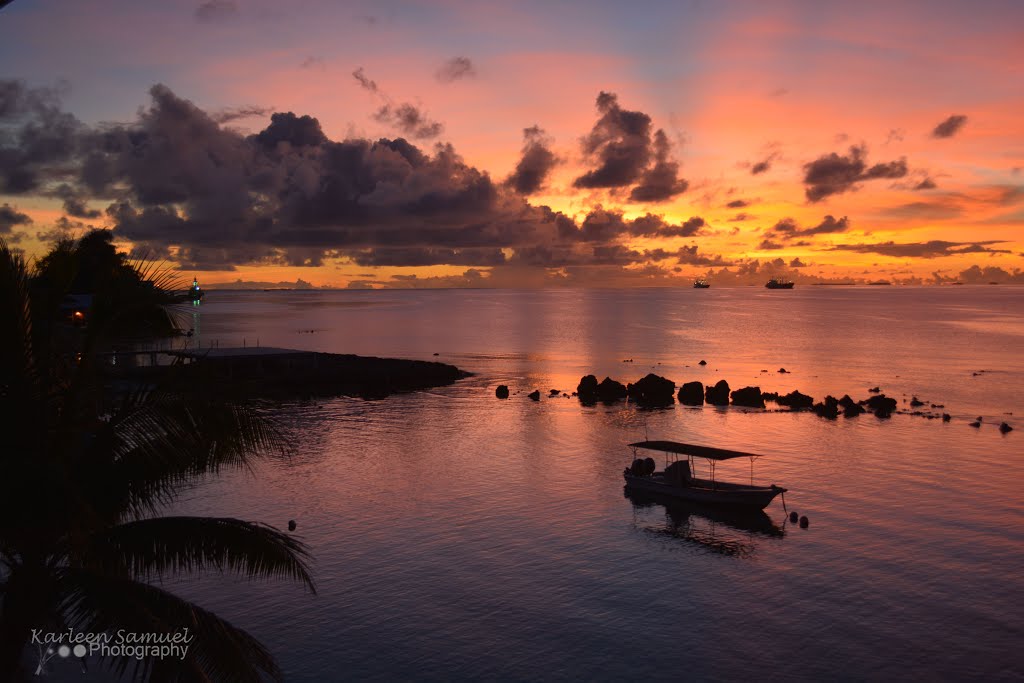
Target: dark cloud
<point>926,184</point>
<point>78,208</point>
<point>895,135</point>
<point>950,126</point>
<point>535,164</point>
<point>9,217</point>
<point>230,114</point>
<point>661,182</point>
<point>620,142</point>
<point>427,256</point>
<point>787,228</point>
<point>740,217</point>
<point>601,226</point>
<point>297,131</point>
<point>932,249</point>
<point>834,174</point>
<point>312,62</point>
<point>737,204</point>
<point>38,140</point>
<point>977,275</point>
<point>404,117</point>
<point>409,120</point>
<point>364,80</point>
<point>689,256</point>
<point>213,11</point>
<point>455,69</point>
<point>177,182</point>
<point>767,245</point>
<point>765,165</point>
<point>797,263</point>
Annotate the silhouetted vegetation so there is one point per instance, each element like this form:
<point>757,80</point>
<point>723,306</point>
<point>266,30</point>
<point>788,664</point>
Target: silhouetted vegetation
<point>86,473</point>
<point>120,297</point>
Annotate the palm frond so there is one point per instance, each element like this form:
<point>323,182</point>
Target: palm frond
<point>167,442</point>
<point>218,650</point>
<point>162,546</point>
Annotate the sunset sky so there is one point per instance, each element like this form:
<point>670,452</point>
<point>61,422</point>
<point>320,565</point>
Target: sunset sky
<point>521,144</point>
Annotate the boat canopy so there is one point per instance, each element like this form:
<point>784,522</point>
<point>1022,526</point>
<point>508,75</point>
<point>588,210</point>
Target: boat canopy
<point>689,449</point>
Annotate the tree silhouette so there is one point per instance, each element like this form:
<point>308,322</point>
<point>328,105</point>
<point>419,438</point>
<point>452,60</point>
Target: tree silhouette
<point>84,475</point>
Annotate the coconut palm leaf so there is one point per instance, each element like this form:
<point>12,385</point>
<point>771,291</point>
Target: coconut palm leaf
<point>143,457</point>
<point>218,651</point>
<point>162,546</point>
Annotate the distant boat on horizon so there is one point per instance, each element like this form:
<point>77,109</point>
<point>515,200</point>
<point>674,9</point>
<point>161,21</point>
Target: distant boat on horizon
<point>701,283</point>
<point>779,283</point>
<point>880,282</point>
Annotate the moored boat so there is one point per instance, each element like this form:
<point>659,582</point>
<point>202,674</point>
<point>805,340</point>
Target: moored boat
<point>701,283</point>
<point>195,293</point>
<point>678,479</point>
<point>779,283</point>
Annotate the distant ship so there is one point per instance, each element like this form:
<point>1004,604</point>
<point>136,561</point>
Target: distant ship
<point>700,283</point>
<point>880,282</point>
<point>195,293</point>
<point>779,283</point>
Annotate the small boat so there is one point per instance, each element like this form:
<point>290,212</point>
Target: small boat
<point>701,283</point>
<point>677,480</point>
<point>779,283</point>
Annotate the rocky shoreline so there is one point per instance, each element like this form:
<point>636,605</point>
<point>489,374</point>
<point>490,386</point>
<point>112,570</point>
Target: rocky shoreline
<point>654,391</point>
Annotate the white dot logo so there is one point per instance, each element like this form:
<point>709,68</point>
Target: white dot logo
<point>63,650</point>
<point>79,650</point>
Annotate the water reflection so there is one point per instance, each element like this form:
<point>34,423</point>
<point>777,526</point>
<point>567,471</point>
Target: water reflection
<point>714,529</point>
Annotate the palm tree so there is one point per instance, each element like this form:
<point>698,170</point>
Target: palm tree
<point>83,479</point>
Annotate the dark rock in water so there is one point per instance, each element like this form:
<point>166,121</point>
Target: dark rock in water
<point>851,410</point>
<point>587,389</point>
<point>291,525</point>
<point>652,390</point>
<point>946,417</point>
<point>975,424</point>
<point>692,394</point>
<point>703,362</point>
<point>978,418</point>
<point>553,392</point>
<point>783,371</point>
<point>829,408</point>
<point>796,401</point>
<point>437,354</point>
<point>534,395</point>
<point>749,397</point>
<point>770,395</point>
<point>764,371</point>
<point>609,390</point>
<point>718,395</point>
<point>804,522</point>
<point>883,414</point>
<point>874,390</point>
<point>1005,428</point>
<point>881,402</point>
<point>915,403</point>
<point>501,391</point>
<point>793,516</point>
<point>846,401</point>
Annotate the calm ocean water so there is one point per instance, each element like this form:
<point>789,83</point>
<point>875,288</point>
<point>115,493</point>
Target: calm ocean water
<point>458,536</point>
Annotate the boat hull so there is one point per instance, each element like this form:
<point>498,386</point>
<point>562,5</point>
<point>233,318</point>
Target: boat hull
<point>708,493</point>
